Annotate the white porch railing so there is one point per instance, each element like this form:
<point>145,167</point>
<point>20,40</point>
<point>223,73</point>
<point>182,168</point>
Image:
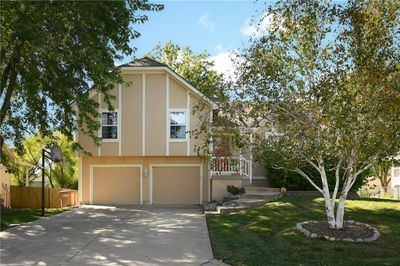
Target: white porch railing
<point>231,165</point>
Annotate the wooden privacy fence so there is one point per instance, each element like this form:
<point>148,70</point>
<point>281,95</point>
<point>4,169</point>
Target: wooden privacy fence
<point>31,197</point>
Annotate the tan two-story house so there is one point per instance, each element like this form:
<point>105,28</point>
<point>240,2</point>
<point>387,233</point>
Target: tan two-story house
<point>147,155</point>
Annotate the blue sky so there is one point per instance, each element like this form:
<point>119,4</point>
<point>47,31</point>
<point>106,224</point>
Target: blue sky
<point>217,26</point>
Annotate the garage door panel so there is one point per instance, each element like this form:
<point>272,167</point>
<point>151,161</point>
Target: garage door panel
<point>176,185</point>
<point>116,185</point>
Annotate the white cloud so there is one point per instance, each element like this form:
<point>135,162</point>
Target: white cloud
<point>206,22</point>
<point>257,28</point>
<point>224,64</point>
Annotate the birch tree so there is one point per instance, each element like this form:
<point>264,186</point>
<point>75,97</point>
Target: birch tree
<point>324,79</point>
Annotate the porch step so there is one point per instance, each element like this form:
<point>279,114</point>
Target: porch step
<point>258,183</point>
<point>237,206</point>
<point>250,189</point>
<point>268,196</point>
<point>249,202</point>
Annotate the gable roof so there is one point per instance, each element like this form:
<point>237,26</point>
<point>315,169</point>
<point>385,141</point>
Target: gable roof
<point>14,159</point>
<point>147,63</point>
<point>143,62</point>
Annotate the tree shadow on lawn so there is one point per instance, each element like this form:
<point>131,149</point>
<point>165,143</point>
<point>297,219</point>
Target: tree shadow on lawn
<point>267,235</point>
<point>379,200</point>
<point>23,215</point>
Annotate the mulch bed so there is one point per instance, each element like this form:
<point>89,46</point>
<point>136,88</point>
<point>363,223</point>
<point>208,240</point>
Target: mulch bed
<point>352,231</point>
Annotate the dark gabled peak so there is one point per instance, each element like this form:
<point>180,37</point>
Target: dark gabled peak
<point>144,62</point>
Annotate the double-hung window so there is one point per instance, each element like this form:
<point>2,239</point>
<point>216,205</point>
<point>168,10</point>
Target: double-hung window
<point>396,169</point>
<point>109,125</point>
<point>177,125</point>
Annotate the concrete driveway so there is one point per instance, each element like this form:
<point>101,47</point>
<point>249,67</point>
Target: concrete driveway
<point>111,236</point>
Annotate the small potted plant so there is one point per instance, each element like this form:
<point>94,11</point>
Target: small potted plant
<point>283,187</point>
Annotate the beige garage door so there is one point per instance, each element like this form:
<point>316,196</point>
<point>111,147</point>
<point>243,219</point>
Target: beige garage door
<point>116,185</point>
<point>176,185</point>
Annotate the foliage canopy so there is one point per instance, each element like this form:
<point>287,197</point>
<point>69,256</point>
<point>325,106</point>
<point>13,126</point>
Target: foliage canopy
<point>52,53</point>
<point>197,69</point>
<point>324,81</point>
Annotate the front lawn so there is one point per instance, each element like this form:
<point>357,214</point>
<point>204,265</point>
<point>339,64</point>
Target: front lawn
<point>267,235</point>
<point>20,216</point>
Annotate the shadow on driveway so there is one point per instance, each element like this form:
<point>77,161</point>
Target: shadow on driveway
<point>132,235</point>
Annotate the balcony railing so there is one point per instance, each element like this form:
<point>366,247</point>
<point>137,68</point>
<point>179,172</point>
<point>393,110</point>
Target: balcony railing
<point>231,165</point>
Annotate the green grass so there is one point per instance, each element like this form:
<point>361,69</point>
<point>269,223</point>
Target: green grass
<point>20,216</point>
<point>267,235</point>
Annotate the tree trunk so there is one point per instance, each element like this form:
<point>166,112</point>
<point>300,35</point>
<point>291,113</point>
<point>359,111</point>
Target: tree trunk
<point>340,211</point>
<point>329,207</point>
<point>330,212</point>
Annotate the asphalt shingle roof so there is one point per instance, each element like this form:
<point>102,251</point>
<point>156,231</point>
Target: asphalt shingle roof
<point>144,62</point>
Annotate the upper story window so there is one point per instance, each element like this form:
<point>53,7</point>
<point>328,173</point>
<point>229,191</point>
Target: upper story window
<point>396,168</point>
<point>109,125</point>
<point>177,125</point>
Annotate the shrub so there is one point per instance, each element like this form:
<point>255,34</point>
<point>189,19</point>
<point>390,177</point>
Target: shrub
<point>235,190</point>
<point>294,181</point>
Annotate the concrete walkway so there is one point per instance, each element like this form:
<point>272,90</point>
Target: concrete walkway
<point>111,236</point>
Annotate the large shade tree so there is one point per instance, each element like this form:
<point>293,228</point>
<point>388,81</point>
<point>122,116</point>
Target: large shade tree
<point>324,80</point>
<point>52,53</point>
<point>63,174</point>
<point>196,68</point>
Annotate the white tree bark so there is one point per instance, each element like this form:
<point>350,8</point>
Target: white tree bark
<point>342,201</point>
<point>348,184</point>
<point>335,219</point>
<point>340,212</point>
<point>337,181</point>
<point>329,207</point>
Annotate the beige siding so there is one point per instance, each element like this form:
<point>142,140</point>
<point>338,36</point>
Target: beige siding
<point>259,170</point>
<point>114,101</point>
<point>154,135</point>
<point>219,186</point>
<point>5,180</point>
<point>109,148</point>
<point>195,122</point>
<point>87,144</point>
<point>131,116</point>
<point>86,141</point>
<point>155,114</point>
<point>178,95</point>
<point>177,149</point>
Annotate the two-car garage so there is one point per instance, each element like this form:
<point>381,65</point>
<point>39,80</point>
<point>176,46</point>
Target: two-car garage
<point>121,184</point>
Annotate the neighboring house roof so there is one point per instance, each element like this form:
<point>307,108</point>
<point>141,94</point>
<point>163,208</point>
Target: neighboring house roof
<point>9,153</point>
<point>14,159</point>
<point>147,63</point>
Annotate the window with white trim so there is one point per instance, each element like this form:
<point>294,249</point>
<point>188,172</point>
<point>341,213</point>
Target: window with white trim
<point>177,125</point>
<point>109,125</point>
<point>396,168</point>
